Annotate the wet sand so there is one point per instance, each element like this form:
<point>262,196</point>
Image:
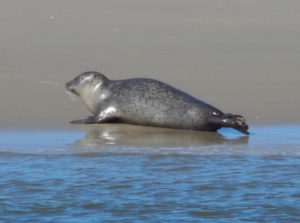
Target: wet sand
<point>241,56</point>
<point>119,139</point>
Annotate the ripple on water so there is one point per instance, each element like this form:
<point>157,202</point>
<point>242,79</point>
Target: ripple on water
<point>65,182</point>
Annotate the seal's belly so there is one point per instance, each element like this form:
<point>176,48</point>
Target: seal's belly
<point>188,117</point>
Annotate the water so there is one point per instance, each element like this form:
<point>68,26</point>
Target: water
<point>108,174</point>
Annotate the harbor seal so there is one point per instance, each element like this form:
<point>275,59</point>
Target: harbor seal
<point>148,102</point>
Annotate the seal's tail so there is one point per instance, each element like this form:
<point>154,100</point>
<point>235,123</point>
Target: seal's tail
<point>237,122</point>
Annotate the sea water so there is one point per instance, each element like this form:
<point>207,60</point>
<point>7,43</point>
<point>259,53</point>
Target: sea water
<point>122,173</point>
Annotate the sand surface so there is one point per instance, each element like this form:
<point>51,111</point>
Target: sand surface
<point>241,56</point>
<point>116,139</point>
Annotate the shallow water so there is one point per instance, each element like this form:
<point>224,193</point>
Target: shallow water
<point>124,173</point>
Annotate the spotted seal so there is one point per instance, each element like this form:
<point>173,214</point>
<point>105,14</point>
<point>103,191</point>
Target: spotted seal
<point>148,102</point>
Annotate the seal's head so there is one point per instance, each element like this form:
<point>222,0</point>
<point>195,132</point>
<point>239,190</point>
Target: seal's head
<point>86,82</point>
<point>88,86</point>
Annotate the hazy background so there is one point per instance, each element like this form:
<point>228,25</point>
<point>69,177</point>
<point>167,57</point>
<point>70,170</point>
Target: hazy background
<point>243,56</point>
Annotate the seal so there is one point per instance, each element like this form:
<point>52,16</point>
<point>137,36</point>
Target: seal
<point>148,102</point>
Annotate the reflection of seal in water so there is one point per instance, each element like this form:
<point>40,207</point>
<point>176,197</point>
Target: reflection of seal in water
<point>144,136</point>
<point>147,102</point>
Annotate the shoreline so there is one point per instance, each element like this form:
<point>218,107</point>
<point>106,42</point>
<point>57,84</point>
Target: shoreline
<point>129,139</point>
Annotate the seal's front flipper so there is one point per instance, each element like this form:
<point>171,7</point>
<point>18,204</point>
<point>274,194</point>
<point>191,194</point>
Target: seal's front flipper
<point>237,122</point>
<point>89,120</point>
<point>108,118</point>
<point>108,115</point>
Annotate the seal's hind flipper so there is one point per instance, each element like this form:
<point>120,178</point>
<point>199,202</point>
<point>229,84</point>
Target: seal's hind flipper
<point>237,122</point>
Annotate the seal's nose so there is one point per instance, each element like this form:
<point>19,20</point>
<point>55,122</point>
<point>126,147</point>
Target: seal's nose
<point>69,87</point>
